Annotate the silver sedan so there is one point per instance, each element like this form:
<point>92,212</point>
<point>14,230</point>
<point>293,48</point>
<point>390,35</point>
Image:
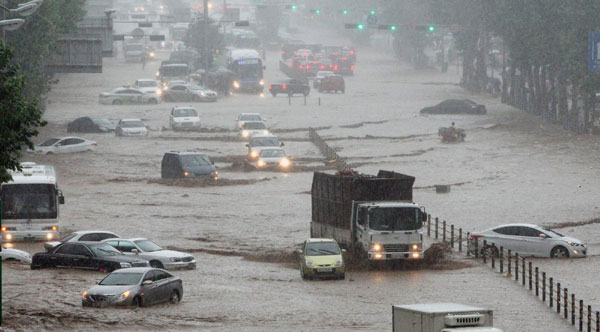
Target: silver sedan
<point>150,251</point>
<point>138,286</point>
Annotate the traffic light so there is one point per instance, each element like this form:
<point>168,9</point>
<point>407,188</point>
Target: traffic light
<point>360,26</point>
<point>345,12</point>
<point>387,27</point>
<point>393,27</point>
<point>294,7</point>
<point>431,28</point>
<point>318,11</point>
<point>372,12</point>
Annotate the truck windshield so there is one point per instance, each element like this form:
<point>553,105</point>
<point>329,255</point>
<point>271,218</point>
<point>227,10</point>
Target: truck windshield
<point>174,71</point>
<point>394,219</point>
<point>29,201</point>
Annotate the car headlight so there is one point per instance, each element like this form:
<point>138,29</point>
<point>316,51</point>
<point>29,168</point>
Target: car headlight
<point>158,92</point>
<point>245,133</point>
<point>376,247</point>
<point>254,154</point>
<point>125,295</point>
<point>125,265</point>
<point>84,295</point>
<point>236,84</point>
<point>262,82</point>
<point>309,263</point>
<point>215,175</point>
<point>157,73</point>
<point>265,132</point>
<point>152,54</point>
<point>284,162</point>
<point>338,262</point>
<point>261,163</point>
<point>203,94</point>
<point>175,259</point>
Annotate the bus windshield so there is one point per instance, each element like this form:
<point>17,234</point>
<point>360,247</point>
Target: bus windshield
<point>29,201</point>
<point>394,219</point>
<point>248,69</point>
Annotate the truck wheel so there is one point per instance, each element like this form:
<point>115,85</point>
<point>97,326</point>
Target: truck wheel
<point>274,94</point>
<point>153,101</point>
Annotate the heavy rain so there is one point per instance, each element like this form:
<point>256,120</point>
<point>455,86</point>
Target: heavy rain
<point>263,165</point>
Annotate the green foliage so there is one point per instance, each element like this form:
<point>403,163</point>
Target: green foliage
<point>195,36</point>
<point>19,117</point>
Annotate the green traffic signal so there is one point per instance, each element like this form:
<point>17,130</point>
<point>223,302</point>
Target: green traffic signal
<point>393,27</point>
<point>345,12</point>
<point>372,12</point>
<point>431,28</point>
<point>294,7</point>
<point>360,26</point>
<point>318,11</point>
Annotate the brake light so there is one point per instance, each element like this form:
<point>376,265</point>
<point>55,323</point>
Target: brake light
<point>95,144</point>
<point>335,68</point>
<point>475,236</point>
<point>270,86</point>
<point>335,54</point>
<point>315,63</point>
<point>344,59</point>
<point>352,52</point>
<point>180,281</point>
<point>307,67</point>
<point>322,67</point>
<point>301,67</point>
<point>4,229</point>
<point>352,67</point>
<point>282,52</point>
<point>283,86</point>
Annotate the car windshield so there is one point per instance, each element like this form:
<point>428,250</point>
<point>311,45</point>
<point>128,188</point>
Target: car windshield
<point>102,122</point>
<point>147,245</point>
<point>132,124</point>
<point>103,249</point>
<point>147,84</point>
<point>184,112</point>
<point>121,279</point>
<point>254,125</point>
<point>272,153</point>
<point>250,117</point>
<point>50,142</point>
<point>195,160</point>
<point>196,87</point>
<point>394,219</point>
<point>322,249</point>
<point>553,233</point>
<point>264,141</point>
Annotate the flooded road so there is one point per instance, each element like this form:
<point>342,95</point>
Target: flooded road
<point>510,169</point>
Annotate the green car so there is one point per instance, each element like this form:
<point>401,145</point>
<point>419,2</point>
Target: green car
<point>321,258</point>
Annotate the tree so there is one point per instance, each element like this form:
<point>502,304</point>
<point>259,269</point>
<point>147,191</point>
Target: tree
<point>19,117</point>
<point>195,38</point>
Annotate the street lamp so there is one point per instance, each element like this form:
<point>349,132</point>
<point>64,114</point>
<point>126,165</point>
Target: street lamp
<point>24,9</point>
<point>10,25</point>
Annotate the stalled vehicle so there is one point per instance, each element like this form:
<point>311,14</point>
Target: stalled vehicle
<point>121,96</point>
<point>153,253</point>
<point>247,67</point>
<point>84,236</point>
<point>137,287</point>
<point>442,317</point>
<point>176,165</point>
<point>272,158</point>
<point>12,254</point>
<point>91,125</point>
<point>131,127</point>
<point>85,255</point>
<point>320,75</point>
<point>332,83</point>
<point>68,144</point>
<point>290,86</point>
<point>321,258</point>
<point>189,92</point>
<point>248,117</point>
<point>251,128</point>
<point>259,142</point>
<point>455,106</point>
<point>172,71</point>
<point>134,52</point>
<point>184,117</point>
<point>527,240</point>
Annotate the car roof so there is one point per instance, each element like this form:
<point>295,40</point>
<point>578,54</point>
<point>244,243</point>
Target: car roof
<point>267,148</point>
<point>137,270</point>
<point>311,240</point>
<point>186,153</point>
<point>132,239</point>
<point>91,231</point>
<point>146,80</point>
<point>264,136</point>
<point>519,225</point>
<point>65,137</point>
<point>184,108</point>
<point>130,120</point>
<point>250,114</point>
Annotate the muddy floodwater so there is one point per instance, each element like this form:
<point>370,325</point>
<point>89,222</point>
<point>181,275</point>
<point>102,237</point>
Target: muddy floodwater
<point>243,231</point>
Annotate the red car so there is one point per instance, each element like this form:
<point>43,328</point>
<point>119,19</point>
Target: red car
<point>332,83</point>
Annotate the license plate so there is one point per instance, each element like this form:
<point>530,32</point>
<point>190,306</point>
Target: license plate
<point>29,239</point>
<point>324,270</point>
<point>96,304</point>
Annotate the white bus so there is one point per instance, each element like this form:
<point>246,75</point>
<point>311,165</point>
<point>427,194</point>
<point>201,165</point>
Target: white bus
<point>30,204</point>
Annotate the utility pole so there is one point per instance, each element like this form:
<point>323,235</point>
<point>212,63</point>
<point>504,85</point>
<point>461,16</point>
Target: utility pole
<point>204,40</point>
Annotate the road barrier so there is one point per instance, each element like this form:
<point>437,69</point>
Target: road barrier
<point>552,292</point>
<point>327,151</point>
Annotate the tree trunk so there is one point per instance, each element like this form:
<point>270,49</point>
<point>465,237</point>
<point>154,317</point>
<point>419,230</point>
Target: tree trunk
<point>513,85</point>
<point>544,92</point>
<point>553,96</point>
<point>562,100</point>
<point>537,88</point>
<point>574,113</point>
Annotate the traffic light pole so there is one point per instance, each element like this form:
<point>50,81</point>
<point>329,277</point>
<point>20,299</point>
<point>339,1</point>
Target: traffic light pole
<point>204,40</point>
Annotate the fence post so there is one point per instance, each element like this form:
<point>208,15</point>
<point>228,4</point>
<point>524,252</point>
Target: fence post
<point>572,309</point>
<point>558,297</point>
<point>550,292</point>
<point>530,282</point>
<point>501,259</point>
<point>580,315</point>
<point>597,320</point>
<point>452,236</point>
<point>589,320</point>
<point>436,227</point>
<point>483,252</point>
<point>517,266</point>
<point>444,231</point>
<point>476,247</point>
<point>509,265</point>
<point>523,272</point>
<point>493,260</point>
<point>460,239</point>
<point>566,304</point>
<point>543,286</point>
<point>537,282</point>
<point>428,225</point>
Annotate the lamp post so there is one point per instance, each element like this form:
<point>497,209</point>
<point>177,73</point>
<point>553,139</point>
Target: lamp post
<point>23,9</point>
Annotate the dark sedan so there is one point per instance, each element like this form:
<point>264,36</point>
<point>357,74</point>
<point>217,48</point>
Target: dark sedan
<point>290,87</point>
<point>85,255</point>
<point>90,125</point>
<point>455,106</point>
<point>136,287</point>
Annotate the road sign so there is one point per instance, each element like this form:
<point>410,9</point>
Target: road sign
<point>137,33</point>
<point>594,51</point>
<point>372,19</point>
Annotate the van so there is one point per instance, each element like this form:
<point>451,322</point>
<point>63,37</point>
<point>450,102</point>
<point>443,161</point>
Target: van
<point>186,165</point>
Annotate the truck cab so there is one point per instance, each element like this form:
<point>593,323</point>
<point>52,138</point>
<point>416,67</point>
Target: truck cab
<point>389,230</point>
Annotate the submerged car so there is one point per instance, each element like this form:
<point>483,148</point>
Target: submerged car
<point>272,158</point>
<point>252,128</point>
<point>455,106</point>
<point>321,258</point>
<point>131,127</point>
<point>90,125</point>
<point>12,254</point>
<point>259,142</point>
<point>121,96</point>
<point>189,92</point>
<point>64,145</point>
<point>184,117</point>
<point>85,236</point>
<point>136,287</point>
<point>248,117</point>
<point>152,252</point>
<point>186,165</point>
<point>527,240</point>
<point>320,75</point>
<point>85,255</point>
<point>332,83</point>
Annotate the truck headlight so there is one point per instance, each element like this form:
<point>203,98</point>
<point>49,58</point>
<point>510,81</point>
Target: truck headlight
<point>415,255</point>
<point>309,263</point>
<point>262,82</point>
<point>49,236</point>
<point>159,92</point>
<point>414,246</point>
<point>236,84</point>
<point>376,247</point>
<point>125,265</point>
<point>157,73</point>
<point>285,162</point>
<point>261,163</point>
<point>254,154</point>
<point>245,133</point>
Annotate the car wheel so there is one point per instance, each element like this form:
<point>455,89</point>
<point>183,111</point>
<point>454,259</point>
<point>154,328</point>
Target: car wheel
<point>195,99</point>
<point>174,299</point>
<point>117,102</point>
<point>559,252</point>
<point>490,251</point>
<point>137,302</point>
<point>156,264</point>
<point>153,101</point>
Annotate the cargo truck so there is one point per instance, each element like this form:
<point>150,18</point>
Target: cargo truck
<point>372,216</point>
<point>442,317</point>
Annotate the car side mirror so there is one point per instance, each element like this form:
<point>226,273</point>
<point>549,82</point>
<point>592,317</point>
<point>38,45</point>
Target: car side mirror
<point>423,214</point>
<point>96,282</point>
<point>135,251</point>
<point>147,282</point>
<point>61,199</point>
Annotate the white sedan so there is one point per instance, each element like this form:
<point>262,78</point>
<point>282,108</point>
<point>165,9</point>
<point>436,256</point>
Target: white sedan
<point>64,145</point>
<point>272,158</point>
<point>150,251</point>
<point>120,96</point>
<point>527,240</point>
<point>11,254</point>
<point>248,117</point>
<point>131,127</point>
<point>184,117</point>
<point>252,128</point>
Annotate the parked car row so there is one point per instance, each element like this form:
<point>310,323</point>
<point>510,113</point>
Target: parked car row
<point>148,91</point>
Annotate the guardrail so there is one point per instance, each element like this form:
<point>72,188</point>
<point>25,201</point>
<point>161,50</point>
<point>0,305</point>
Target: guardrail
<point>327,151</point>
<point>510,264</point>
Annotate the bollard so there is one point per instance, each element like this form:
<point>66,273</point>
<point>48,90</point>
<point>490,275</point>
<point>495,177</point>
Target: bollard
<point>558,297</point>
<point>589,320</point>
<point>289,100</point>
<point>428,225</point>
<point>452,236</point>
<point>517,266</point>
<point>483,251</point>
<point>444,231</point>
<point>572,309</point>
<point>493,261</point>
<point>580,315</point>
<point>436,227</point>
<point>530,282</point>
<point>523,271</point>
<point>460,240</point>
<point>319,101</point>
<point>304,100</point>
<point>509,265</point>
<point>537,282</point>
<point>597,320</point>
<point>566,304</point>
<point>550,292</point>
<point>501,254</point>
<point>469,244</point>
<point>543,286</point>
<point>476,247</point>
